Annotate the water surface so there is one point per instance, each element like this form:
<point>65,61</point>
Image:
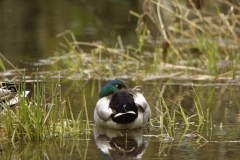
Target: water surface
<point>28,33</point>
<point>221,131</point>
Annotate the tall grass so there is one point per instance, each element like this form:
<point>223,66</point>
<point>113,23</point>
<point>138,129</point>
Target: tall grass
<point>213,33</point>
<point>201,46</point>
<point>41,117</point>
<point>174,120</point>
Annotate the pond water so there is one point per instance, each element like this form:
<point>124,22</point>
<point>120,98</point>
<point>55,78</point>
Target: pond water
<point>219,135</point>
<point>220,130</point>
<point>28,31</point>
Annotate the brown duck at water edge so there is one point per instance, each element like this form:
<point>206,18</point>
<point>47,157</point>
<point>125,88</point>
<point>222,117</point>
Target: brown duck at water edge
<point>121,108</point>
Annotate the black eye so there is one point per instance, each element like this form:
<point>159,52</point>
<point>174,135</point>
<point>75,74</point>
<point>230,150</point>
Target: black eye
<point>117,86</point>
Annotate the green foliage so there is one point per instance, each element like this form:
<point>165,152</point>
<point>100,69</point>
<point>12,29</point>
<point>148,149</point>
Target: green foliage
<point>174,120</point>
<point>40,118</point>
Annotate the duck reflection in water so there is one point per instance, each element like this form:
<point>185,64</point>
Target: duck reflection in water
<point>121,144</point>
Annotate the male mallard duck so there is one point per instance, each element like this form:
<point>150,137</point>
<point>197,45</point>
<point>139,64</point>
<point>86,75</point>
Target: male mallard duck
<point>121,108</point>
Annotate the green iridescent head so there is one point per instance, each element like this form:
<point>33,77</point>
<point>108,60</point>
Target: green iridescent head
<point>111,87</point>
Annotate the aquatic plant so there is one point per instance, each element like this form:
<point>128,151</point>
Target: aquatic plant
<point>41,117</point>
<point>197,44</point>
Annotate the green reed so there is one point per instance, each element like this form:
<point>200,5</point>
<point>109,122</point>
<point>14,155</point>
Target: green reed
<point>173,118</point>
<point>2,66</point>
<point>41,117</point>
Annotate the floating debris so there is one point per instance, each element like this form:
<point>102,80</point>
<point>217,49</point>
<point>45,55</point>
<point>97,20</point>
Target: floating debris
<point>168,139</point>
<point>192,135</point>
